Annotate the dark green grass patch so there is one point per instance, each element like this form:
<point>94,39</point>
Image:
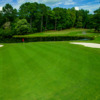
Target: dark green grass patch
<point>49,71</point>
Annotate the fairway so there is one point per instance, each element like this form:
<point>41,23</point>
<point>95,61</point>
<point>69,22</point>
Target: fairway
<point>49,71</point>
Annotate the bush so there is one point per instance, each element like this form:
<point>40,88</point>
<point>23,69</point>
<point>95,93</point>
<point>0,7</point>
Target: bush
<point>6,33</point>
<point>7,25</point>
<point>22,27</point>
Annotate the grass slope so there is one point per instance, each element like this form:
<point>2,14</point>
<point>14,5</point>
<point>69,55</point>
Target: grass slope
<point>49,71</point>
<point>67,32</point>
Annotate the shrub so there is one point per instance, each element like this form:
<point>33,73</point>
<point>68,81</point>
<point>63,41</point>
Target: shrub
<point>22,27</point>
<point>7,25</point>
<point>6,33</point>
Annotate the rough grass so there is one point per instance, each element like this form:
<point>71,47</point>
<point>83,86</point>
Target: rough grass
<point>49,71</point>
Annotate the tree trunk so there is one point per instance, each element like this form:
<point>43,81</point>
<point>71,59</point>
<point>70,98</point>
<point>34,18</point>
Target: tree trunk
<point>41,22</point>
<point>55,23</point>
<point>46,23</point>
<point>61,28</point>
<point>30,22</point>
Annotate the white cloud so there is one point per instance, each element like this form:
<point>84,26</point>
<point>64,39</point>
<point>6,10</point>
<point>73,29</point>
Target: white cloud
<point>69,2</point>
<point>76,8</point>
<point>0,8</point>
<point>39,1</point>
<point>16,6</point>
<point>23,1</point>
<point>57,4</point>
<point>93,2</point>
<point>50,1</point>
<point>91,8</point>
<point>47,2</point>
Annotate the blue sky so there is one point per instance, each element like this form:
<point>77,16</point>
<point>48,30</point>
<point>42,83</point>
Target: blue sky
<point>90,5</point>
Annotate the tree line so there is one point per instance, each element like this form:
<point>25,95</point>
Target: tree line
<point>37,17</point>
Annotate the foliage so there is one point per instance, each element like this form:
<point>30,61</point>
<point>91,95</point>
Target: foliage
<point>22,27</point>
<point>6,33</point>
<point>2,20</point>
<point>43,18</point>
<point>9,13</point>
<point>7,25</point>
<point>90,21</point>
<point>79,22</point>
<point>97,19</point>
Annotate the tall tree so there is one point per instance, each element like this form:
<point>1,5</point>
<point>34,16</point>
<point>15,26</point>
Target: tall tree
<point>68,18</point>
<point>51,21</point>
<point>84,14</point>
<point>1,19</point>
<point>97,19</point>
<point>79,19</point>
<point>73,16</point>
<point>79,22</point>
<point>57,16</point>
<point>48,9</point>
<point>9,12</point>
<point>90,21</point>
<point>22,27</point>
<point>27,11</point>
<point>43,12</point>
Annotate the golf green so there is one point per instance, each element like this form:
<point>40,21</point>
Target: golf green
<point>49,71</point>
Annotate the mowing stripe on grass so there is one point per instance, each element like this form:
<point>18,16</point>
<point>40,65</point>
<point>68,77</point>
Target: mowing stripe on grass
<point>49,71</point>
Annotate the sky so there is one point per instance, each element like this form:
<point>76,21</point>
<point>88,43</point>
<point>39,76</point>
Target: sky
<point>90,5</point>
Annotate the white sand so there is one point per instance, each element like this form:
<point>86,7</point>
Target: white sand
<point>1,45</point>
<point>92,45</point>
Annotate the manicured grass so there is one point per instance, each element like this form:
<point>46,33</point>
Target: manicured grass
<point>49,71</point>
<point>67,32</point>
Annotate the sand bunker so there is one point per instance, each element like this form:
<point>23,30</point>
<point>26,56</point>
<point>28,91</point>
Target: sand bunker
<point>1,45</point>
<point>92,45</point>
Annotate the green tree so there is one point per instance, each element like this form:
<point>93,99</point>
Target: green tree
<point>48,9</point>
<point>9,13</point>
<point>28,11</point>
<point>62,19</point>
<point>84,14</point>
<point>51,19</point>
<point>97,20</point>
<point>57,16</point>
<point>7,25</point>
<point>68,19</point>
<point>41,17</point>
<point>79,19</point>
<point>90,21</point>
<point>1,19</point>
<point>72,16</point>
<point>79,22</point>
<point>43,13</point>
<point>22,27</point>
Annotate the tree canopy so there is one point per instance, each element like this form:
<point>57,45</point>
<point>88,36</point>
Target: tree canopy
<point>22,27</point>
<point>39,17</point>
<point>97,20</point>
